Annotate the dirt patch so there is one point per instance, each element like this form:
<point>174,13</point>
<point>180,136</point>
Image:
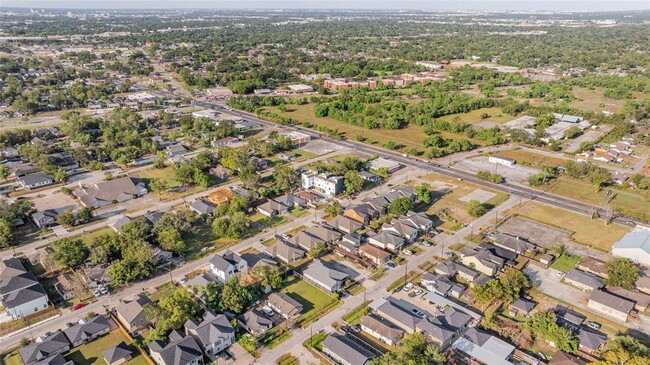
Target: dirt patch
<point>538,233</point>
<point>481,195</point>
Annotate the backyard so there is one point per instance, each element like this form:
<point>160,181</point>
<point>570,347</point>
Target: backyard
<point>91,353</point>
<point>313,300</point>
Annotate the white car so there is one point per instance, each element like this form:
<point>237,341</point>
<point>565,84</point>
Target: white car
<point>268,311</point>
<point>408,252</point>
<point>408,286</point>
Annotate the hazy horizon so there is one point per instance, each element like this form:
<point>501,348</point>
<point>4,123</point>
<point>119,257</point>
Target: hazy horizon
<point>491,5</point>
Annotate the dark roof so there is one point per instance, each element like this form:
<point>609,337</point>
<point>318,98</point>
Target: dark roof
<point>347,349</point>
<point>284,303</point>
<point>129,310</point>
<point>87,330</point>
<point>54,360</point>
<point>203,206</point>
<point>213,328</point>
<point>53,344</point>
<point>611,301</point>
<point>562,358</point>
<point>118,352</point>
<point>591,339</point>
<point>523,305</point>
<point>25,295</point>
<point>584,278</point>
<point>254,320</point>
<point>178,352</point>
<point>37,178</point>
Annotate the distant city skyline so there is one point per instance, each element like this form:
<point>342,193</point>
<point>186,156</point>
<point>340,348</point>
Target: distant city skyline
<point>493,5</point>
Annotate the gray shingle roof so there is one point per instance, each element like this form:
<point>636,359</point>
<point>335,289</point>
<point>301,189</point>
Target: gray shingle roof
<point>347,349</point>
<point>284,303</point>
<point>53,344</point>
<point>384,328</point>
<point>591,339</point>
<point>87,330</point>
<point>325,273</point>
<point>585,278</point>
<point>131,309</point>
<point>25,295</point>
<point>177,352</point>
<point>117,352</point>
<point>211,329</point>
<point>255,321</point>
<point>612,301</point>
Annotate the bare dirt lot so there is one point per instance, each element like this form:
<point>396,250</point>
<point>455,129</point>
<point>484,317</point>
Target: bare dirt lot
<point>481,195</point>
<point>538,233</point>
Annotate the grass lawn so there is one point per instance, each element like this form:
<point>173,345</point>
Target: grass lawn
<point>412,276</point>
<point>496,115</point>
<point>288,359</point>
<point>377,275</point>
<point>267,222</point>
<point>587,231</point>
<point>624,201</point>
<point>410,136</point>
<point>299,212</point>
<point>566,262</point>
<point>354,316</point>
<point>88,237</point>
<point>275,337</point>
<point>595,100</point>
<point>302,155</point>
<point>91,353</point>
<point>446,199</point>
<point>12,358</point>
<point>532,159</point>
<point>165,290</point>
<point>314,301</point>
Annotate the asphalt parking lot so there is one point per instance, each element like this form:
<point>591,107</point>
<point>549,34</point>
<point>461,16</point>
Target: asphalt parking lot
<point>538,233</point>
<point>517,173</point>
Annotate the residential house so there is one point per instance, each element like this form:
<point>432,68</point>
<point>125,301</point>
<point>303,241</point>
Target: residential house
<point>307,241</point>
<point>284,305</point>
<point>228,265</point>
<point>363,213</point>
<point>297,138</point>
<point>643,284</point>
<point>482,260</point>
<point>95,275</point>
<point>175,150</point>
<point>347,351</point>
<point>214,333</point>
<point>57,359</point>
<point>509,257</point>
<point>20,292</point>
<point>640,299</point>
<point>375,254</point>
<point>286,251</point>
<point>118,224</point>
<point>23,169</point>
<point>562,358</point>
<point>181,350</point>
<point>244,192</point>
<point>445,327</point>
<point>350,242</point>
<point>387,240</point>
<point>441,285</point>
<point>583,280</point>
<point>512,243</point>
<point>291,201</point>
<point>369,176</point>
<point>113,191</point>
<point>451,268</point>
<point>202,206</point>
<point>476,345</point>
<point>34,181</point>
<point>259,163</point>
<point>521,307</point>
<point>420,220</point>
<point>403,228</point>
<point>254,323</point>
<point>64,285</point>
<point>326,184</point>
<point>325,276</point>
<point>345,224</point>
<point>272,208</point>
<point>309,197</point>
<point>44,347</point>
<point>225,141</point>
<point>220,172</point>
<point>325,233</point>
<point>594,266</point>
<point>591,341</point>
<point>131,313</point>
<point>287,156</point>
<point>45,218</point>
<point>87,330</point>
<point>117,354</point>
<point>384,331</point>
<point>610,305</point>
<point>389,309</point>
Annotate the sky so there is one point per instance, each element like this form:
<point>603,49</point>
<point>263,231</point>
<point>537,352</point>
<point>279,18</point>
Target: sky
<point>517,5</point>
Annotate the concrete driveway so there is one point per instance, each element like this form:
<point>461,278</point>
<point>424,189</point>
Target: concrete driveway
<point>548,282</point>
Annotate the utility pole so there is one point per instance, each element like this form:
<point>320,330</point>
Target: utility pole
<point>406,266</point>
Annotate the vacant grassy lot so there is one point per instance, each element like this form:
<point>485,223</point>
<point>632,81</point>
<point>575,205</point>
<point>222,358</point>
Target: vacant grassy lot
<point>446,194</point>
<point>595,100</point>
<point>566,262</point>
<point>313,300</point>
<point>625,201</point>
<point>473,117</point>
<point>587,231</point>
<point>535,160</point>
<point>90,236</point>
<point>91,353</point>
<point>411,136</point>
<point>12,358</point>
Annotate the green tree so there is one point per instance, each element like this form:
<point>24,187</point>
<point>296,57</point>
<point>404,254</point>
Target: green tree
<point>400,206</point>
<point>475,208</point>
<point>66,218</point>
<point>622,272</point>
<point>333,209</point>
<point>624,350</point>
<point>70,252</point>
<point>284,178</point>
<point>544,325</point>
<point>212,295</point>
<point>158,186</point>
<point>4,172</point>
<point>423,193</point>
<point>84,215</point>
<point>235,297</point>
<point>60,176</point>
<point>353,182</point>
<point>6,234</point>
